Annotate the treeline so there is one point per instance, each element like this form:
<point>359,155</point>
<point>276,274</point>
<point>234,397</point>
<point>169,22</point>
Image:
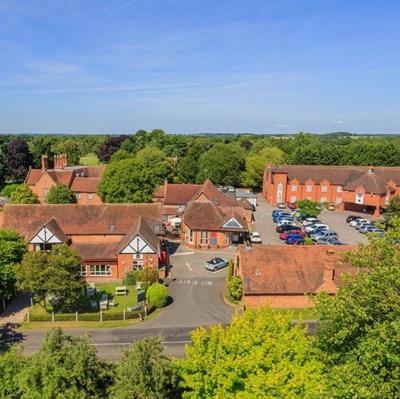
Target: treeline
<point>226,159</point>
<point>355,352</point>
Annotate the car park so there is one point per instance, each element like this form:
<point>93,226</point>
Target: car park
<point>292,206</point>
<point>324,234</point>
<point>282,215</point>
<point>328,241</point>
<point>281,205</point>
<point>291,222</point>
<point>285,227</point>
<point>331,207</point>
<point>317,230</point>
<point>295,240</point>
<point>285,235</point>
<point>308,221</point>
<point>358,226</point>
<point>366,228</point>
<point>350,218</point>
<point>315,226</point>
<point>355,222</point>
<point>216,264</point>
<point>255,238</point>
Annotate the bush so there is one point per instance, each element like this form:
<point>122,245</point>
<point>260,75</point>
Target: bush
<point>130,279</point>
<point>235,288</point>
<point>9,189</point>
<point>157,295</point>
<point>149,275</point>
<point>230,271</point>
<point>308,241</point>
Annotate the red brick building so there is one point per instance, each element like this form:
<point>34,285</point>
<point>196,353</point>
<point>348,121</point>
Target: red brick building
<point>82,180</point>
<point>356,188</point>
<point>281,276</point>
<point>111,238</point>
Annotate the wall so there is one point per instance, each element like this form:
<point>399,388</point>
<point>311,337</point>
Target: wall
<point>45,182</point>
<point>220,236</point>
<point>278,301</point>
<point>85,200</point>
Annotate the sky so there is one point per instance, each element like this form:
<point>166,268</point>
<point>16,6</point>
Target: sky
<point>193,66</point>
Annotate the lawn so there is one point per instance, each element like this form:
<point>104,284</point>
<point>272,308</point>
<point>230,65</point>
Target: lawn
<point>89,160</point>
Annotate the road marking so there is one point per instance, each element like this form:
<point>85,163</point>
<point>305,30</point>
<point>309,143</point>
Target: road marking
<point>183,254</point>
<point>207,283</point>
<point>188,266</point>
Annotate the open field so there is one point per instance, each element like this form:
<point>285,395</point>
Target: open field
<point>89,160</point>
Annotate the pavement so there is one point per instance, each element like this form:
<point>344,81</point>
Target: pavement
<point>336,220</point>
<point>17,310</point>
<point>196,299</point>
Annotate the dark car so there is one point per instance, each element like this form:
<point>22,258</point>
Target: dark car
<point>286,227</point>
<point>352,217</point>
<point>286,234</point>
<point>216,264</point>
<point>294,240</point>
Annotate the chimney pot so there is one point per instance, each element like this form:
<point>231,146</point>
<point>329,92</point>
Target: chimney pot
<point>44,162</point>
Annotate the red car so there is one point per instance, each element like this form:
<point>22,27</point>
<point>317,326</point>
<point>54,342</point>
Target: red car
<point>292,206</point>
<point>285,235</point>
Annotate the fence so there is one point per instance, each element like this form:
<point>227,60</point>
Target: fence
<point>97,316</point>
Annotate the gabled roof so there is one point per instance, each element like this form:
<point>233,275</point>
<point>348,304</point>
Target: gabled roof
<point>54,228</point>
<point>373,179</point>
<point>205,215</point>
<point>179,194</point>
<point>85,184</point>
<point>280,269</point>
<point>214,195</point>
<point>74,219</point>
<point>33,176</point>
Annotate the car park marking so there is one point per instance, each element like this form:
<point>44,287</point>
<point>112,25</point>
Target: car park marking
<point>183,254</point>
<point>206,283</point>
<point>188,266</point>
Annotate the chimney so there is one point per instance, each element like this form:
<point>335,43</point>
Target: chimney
<point>329,265</point>
<point>45,162</point>
<point>60,161</point>
<point>64,160</point>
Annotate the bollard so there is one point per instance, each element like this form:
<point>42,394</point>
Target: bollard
<point>101,315</point>
<point>52,317</point>
<point>76,316</point>
<point>28,317</point>
<point>124,314</point>
<point>31,302</point>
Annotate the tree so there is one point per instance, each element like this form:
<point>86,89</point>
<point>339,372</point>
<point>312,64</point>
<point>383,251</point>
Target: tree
<point>42,145</point>
<point>12,364</point>
<point>252,176</point>
<point>235,288</point>
<point>72,148</point>
<point>24,195</point>
<point>65,367</point>
<point>260,355</point>
<point>12,249</point>
<point>222,164</point>
<point>157,295</point>
<point>17,159</point>
<point>145,372</point>
<point>60,194</point>
<point>134,179</point>
<point>359,329</point>
<point>392,210</point>
<point>111,145</point>
<point>308,208</point>
<point>53,273</point>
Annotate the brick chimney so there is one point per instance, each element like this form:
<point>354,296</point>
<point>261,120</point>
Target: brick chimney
<point>60,161</point>
<point>45,162</point>
<point>328,284</point>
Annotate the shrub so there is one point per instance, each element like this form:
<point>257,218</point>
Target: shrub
<point>230,271</point>
<point>308,241</point>
<point>149,275</point>
<point>157,295</point>
<point>235,288</point>
<point>9,189</point>
<point>130,279</point>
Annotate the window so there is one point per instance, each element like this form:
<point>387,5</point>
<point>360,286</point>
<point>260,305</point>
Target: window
<point>293,199</point>
<point>308,197</point>
<point>308,188</point>
<point>227,238</point>
<point>137,264</point>
<point>83,271</point>
<point>338,200</point>
<point>204,237</point>
<point>324,199</point>
<point>324,189</point>
<point>189,235</point>
<point>100,270</point>
<point>43,247</point>
<point>46,192</point>
<point>90,196</point>
<point>294,187</point>
<point>77,196</point>
<point>339,189</point>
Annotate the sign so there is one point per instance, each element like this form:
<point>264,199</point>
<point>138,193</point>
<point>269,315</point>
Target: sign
<point>141,296</point>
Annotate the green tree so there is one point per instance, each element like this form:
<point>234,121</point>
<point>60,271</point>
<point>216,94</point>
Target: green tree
<point>260,355</point>
<point>134,179</point>
<point>72,148</point>
<point>145,372</point>
<point>157,295</point>
<point>12,365</point>
<point>392,210</point>
<point>308,208</point>
<point>60,194</point>
<point>65,368</point>
<point>12,249</point>
<point>252,176</point>
<point>53,273</point>
<point>24,195</point>
<point>359,329</point>
<point>222,164</point>
<point>235,288</point>
<point>42,145</point>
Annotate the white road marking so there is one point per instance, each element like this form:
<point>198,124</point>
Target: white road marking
<point>207,283</point>
<point>183,254</point>
<point>188,266</point>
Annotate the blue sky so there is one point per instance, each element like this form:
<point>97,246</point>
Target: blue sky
<point>199,66</point>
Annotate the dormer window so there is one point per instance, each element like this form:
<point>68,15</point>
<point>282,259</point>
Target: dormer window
<point>111,228</point>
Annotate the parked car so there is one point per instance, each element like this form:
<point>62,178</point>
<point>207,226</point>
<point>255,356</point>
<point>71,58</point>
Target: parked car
<point>315,226</point>
<point>308,221</point>
<point>355,222</point>
<point>328,241</point>
<point>255,238</point>
<point>216,264</point>
<point>366,228</point>
<point>286,221</point>
<point>283,215</point>
<point>286,227</point>
<point>292,206</point>
<point>362,224</point>
<point>380,232</point>
<point>275,212</point>
<point>297,231</point>
<point>331,207</point>
<point>352,217</point>
<point>281,205</point>
<point>295,240</point>
<point>324,234</point>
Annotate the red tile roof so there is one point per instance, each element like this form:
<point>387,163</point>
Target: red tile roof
<point>85,184</point>
<point>281,269</point>
<point>180,194</point>
<point>102,249</point>
<point>211,192</point>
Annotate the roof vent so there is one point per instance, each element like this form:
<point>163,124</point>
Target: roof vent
<point>258,273</point>
<point>370,171</point>
<point>111,228</point>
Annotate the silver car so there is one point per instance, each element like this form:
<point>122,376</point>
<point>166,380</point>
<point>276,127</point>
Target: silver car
<point>216,264</point>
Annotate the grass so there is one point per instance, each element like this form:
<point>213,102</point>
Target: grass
<point>89,160</point>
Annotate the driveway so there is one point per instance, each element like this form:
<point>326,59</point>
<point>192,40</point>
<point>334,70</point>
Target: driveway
<point>336,221</point>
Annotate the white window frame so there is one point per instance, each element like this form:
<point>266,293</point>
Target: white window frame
<point>293,188</point>
<point>293,199</point>
<point>100,270</point>
<point>77,196</point>
<point>309,198</point>
<point>324,199</point>
<point>309,188</point>
<point>138,264</point>
<point>324,189</point>
<point>89,196</point>
<point>204,237</point>
<point>339,189</point>
<point>189,235</point>
<point>46,192</point>
<point>83,271</point>
<point>43,246</point>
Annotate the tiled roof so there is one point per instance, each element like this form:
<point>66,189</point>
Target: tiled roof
<point>73,219</point>
<point>373,179</point>
<point>205,215</point>
<point>282,269</point>
<point>213,195</point>
<point>85,184</point>
<point>180,194</point>
<point>103,248</point>
<point>33,176</point>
